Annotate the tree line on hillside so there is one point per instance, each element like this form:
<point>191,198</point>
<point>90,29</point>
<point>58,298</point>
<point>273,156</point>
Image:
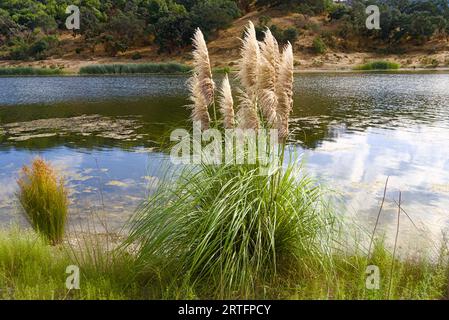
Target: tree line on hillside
<point>29,28</point>
<point>400,20</point>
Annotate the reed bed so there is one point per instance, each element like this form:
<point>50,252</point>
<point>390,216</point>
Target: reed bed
<point>29,71</point>
<point>378,65</point>
<point>136,68</point>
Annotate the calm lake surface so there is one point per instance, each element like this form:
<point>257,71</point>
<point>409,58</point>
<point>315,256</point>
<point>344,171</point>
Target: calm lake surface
<point>352,130</point>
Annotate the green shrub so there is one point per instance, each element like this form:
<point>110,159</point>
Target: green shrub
<point>284,35</point>
<point>290,35</point>
<point>136,56</point>
<point>264,20</point>
<point>20,51</point>
<point>319,46</point>
<point>38,48</point>
<point>43,197</point>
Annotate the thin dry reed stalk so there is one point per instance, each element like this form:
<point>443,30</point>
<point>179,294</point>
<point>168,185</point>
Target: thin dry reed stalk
<point>378,217</point>
<point>395,246</point>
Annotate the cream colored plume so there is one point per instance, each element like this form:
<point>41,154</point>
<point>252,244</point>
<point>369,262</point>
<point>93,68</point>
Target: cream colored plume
<point>284,91</point>
<point>249,60</point>
<point>226,103</point>
<point>267,77</point>
<point>201,67</point>
<point>247,114</point>
<point>199,104</point>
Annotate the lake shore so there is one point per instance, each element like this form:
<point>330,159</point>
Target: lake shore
<point>305,63</point>
<point>62,71</point>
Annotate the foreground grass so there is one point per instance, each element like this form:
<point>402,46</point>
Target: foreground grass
<point>29,71</point>
<point>217,232</point>
<point>378,65</point>
<point>136,68</point>
<point>31,269</point>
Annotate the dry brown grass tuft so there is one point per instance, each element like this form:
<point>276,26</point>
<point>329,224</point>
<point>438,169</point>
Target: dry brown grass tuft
<point>44,200</point>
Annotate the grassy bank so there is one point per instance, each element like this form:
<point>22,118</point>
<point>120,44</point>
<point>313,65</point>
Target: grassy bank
<point>29,71</point>
<point>378,65</point>
<point>136,68</point>
<point>32,269</point>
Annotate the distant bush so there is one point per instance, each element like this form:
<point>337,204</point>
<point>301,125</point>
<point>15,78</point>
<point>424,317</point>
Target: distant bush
<point>136,56</point>
<point>429,62</point>
<point>136,68</point>
<point>35,49</point>
<point>339,11</point>
<point>19,52</point>
<point>434,63</point>
<point>290,35</point>
<point>44,200</point>
<point>38,48</point>
<point>378,65</point>
<point>264,20</point>
<point>319,46</point>
<point>284,35</point>
<point>29,71</point>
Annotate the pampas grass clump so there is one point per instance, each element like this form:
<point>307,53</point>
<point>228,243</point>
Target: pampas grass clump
<point>227,230</point>
<point>43,197</point>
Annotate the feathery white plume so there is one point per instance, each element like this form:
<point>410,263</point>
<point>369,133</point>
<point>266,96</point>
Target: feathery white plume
<point>199,105</point>
<point>284,91</point>
<point>267,77</point>
<point>201,66</point>
<point>247,114</point>
<point>249,60</point>
<point>226,103</point>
